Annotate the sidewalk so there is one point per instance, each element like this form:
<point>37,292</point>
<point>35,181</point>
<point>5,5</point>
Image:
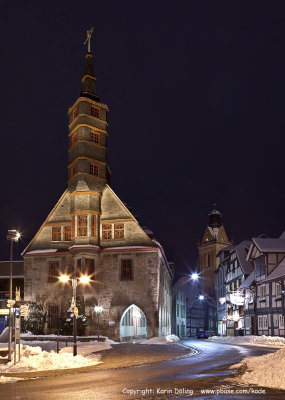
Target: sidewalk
<point>120,356</point>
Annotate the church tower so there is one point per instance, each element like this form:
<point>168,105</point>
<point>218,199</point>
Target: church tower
<point>88,172</point>
<point>215,239</point>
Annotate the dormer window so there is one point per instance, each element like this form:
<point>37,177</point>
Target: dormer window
<point>95,111</point>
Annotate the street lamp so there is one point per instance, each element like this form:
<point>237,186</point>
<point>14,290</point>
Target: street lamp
<point>195,276</point>
<point>201,297</point>
<point>98,310</point>
<point>83,279</point>
<point>13,235</point>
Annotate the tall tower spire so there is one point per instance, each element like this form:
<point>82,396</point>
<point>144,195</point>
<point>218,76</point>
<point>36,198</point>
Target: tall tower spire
<point>88,87</point>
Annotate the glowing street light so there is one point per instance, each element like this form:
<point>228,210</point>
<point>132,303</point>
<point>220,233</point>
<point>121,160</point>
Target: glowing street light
<point>201,297</point>
<point>13,235</point>
<point>83,279</point>
<point>195,276</point>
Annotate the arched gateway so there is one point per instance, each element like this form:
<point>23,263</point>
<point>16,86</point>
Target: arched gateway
<point>133,324</point>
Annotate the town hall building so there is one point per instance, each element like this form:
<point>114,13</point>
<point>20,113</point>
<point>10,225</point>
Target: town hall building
<point>90,231</point>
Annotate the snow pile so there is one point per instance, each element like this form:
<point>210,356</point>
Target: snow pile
<point>85,349</point>
<point>162,340</point>
<point>268,370</point>
<point>250,339</point>
<point>34,359</point>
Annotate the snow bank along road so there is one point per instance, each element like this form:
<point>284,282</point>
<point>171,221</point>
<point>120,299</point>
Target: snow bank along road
<point>174,379</point>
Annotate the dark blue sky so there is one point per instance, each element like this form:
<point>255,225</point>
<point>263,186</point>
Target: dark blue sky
<point>196,96</point>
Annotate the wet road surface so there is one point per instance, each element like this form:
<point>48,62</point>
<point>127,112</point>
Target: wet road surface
<point>182,378</point>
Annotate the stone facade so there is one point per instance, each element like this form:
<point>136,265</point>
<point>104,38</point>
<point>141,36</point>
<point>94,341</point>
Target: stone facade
<point>214,240</point>
<point>91,232</point>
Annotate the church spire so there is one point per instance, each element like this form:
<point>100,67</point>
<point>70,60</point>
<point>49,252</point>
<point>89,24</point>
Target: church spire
<point>88,87</point>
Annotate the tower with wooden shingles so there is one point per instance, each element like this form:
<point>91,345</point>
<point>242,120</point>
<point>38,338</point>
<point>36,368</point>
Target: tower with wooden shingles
<point>91,232</point>
<point>214,239</point>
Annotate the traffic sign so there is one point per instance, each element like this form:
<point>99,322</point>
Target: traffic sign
<point>24,310</point>
<point>75,311</point>
<point>10,303</point>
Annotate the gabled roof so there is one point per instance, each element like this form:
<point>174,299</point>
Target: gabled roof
<point>226,249</point>
<point>278,272</point>
<point>242,249</point>
<point>267,245</point>
<point>248,281</point>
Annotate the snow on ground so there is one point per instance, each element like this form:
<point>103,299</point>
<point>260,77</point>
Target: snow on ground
<point>87,348</point>
<point>250,339</point>
<point>161,340</point>
<point>267,370</point>
<point>34,359</point>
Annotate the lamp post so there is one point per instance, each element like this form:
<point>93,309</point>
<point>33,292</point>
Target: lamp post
<point>74,281</point>
<point>13,235</point>
<point>98,310</point>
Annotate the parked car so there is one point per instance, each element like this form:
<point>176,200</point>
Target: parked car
<point>202,334</point>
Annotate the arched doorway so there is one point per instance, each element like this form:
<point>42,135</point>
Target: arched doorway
<point>133,324</point>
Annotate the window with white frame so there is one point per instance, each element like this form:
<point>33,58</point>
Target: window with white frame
<point>278,289</point>
<point>262,291</point>
<point>275,320</point>
<point>281,321</point>
<point>260,322</point>
<point>265,322</point>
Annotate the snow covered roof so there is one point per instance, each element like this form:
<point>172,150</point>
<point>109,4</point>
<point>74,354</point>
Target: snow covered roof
<point>267,245</point>
<point>242,249</point>
<point>248,281</point>
<point>226,249</point>
<point>42,251</point>
<point>278,272</point>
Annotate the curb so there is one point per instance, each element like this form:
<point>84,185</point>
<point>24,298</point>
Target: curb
<point>91,368</point>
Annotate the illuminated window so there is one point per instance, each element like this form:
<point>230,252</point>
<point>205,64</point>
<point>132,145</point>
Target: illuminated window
<point>95,137</point>
<point>73,170</point>
<point>93,225</point>
<point>127,270</point>
<point>119,231</point>
<point>75,113</point>
<point>82,225</point>
<point>73,139</point>
<point>107,231</point>
<point>95,111</point>
<point>94,169</point>
<point>56,233</point>
<point>67,233</point>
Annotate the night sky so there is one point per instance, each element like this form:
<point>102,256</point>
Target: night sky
<point>196,91</point>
